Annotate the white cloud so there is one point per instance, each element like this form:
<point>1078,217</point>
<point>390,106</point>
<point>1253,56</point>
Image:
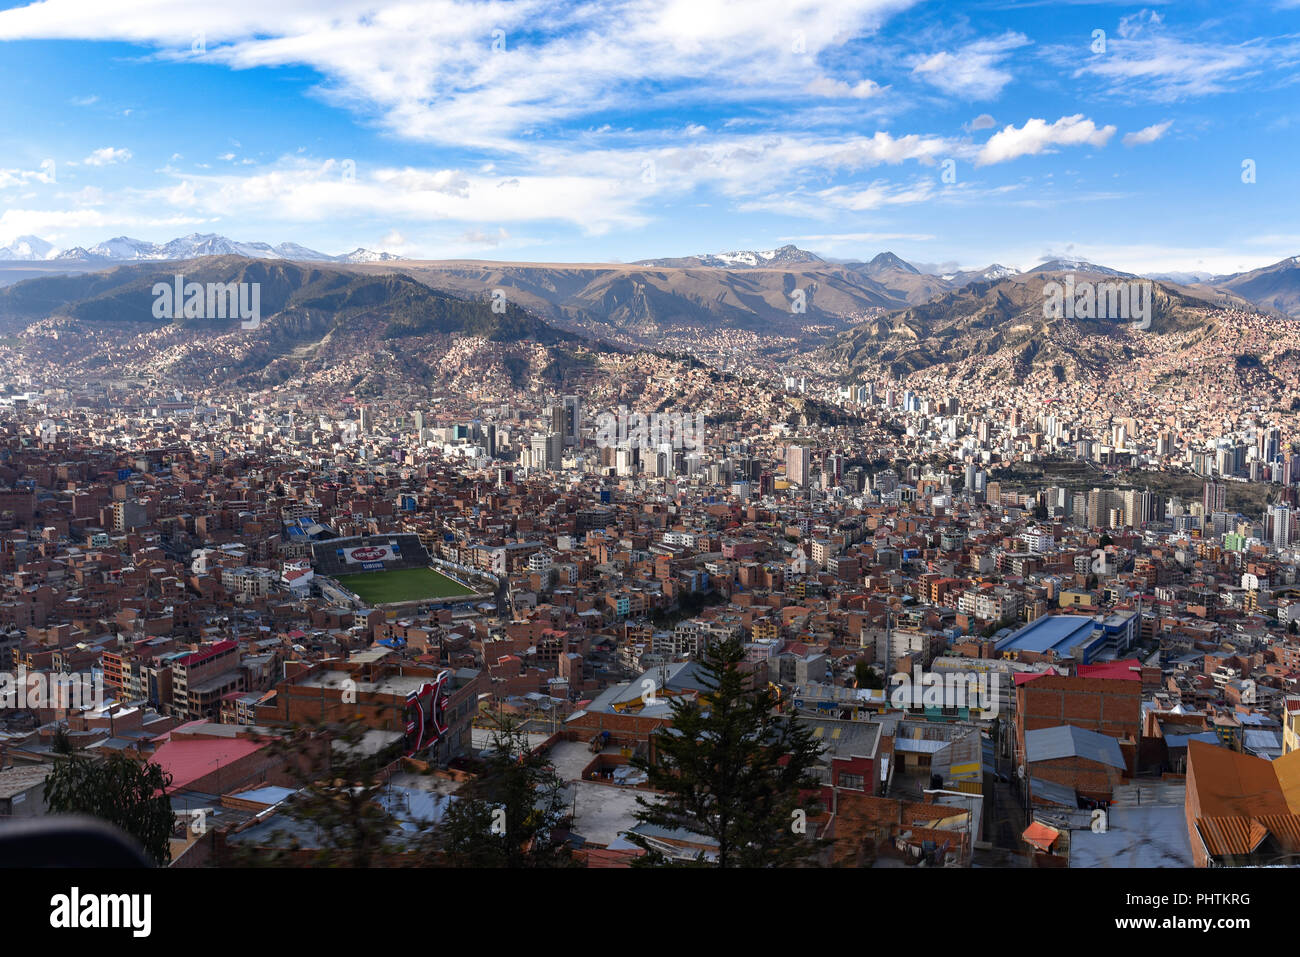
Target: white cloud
<point>1146,60</point>
<point>972,72</point>
<point>825,86</point>
<point>1037,136</point>
<point>19,177</point>
<point>107,156</point>
<point>431,71</point>
<point>46,221</point>
<point>1148,134</point>
<point>478,237</point>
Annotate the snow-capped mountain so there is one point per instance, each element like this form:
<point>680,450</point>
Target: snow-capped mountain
<point>994,273</point>
<point>1186,278</point>
<point>360,255</point>
<point>1078,265</point>
<point>743,259</point>
<point>27,249</point>
<point>126,249</point>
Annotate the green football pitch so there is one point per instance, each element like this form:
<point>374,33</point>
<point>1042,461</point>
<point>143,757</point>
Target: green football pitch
<point>403,584</point>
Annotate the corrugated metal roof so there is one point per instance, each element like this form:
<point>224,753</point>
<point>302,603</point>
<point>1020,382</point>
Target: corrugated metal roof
<point>1051,792</point>
<point>1135,837</point>
<point>1067,741</point>
<point>1232,836</point>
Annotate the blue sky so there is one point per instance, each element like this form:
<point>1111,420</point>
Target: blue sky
<point>949,133</point>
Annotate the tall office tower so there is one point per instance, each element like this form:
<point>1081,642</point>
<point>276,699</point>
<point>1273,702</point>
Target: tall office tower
<point>1291,469</point>
<point>367,419</point>
<point>419,422</point>
<point>796,465</point>
<point>1269,443</point>
<point>1149,507</point>
<point>1280,522</point>
<point>834,468</point>
<point>572,420</point>
<point>1079,510</point>
<point>1099,507</point>
<point>547,450</point>
<point>1164,444</point>
<point>490,439</point>
<point>1131,506</point>
<point>1214,498</point>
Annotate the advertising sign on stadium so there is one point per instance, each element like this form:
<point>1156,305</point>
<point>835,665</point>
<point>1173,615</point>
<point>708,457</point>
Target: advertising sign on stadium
<point>368,553</point>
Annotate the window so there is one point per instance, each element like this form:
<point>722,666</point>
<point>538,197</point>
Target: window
<point>851,781</point>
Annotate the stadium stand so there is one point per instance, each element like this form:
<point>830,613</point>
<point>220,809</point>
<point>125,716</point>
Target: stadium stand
<point>366,553</point>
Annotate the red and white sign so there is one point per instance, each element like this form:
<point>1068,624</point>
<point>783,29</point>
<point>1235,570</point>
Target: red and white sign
<point>368,553</point>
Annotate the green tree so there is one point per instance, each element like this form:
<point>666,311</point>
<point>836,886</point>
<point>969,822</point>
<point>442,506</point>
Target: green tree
<point>340,786</point>
<point>62,742</point>
<point>867,677</point>
<point>129,794</point>
<point>514,814</point>
<point>732,769</point>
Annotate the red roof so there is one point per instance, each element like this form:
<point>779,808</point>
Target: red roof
<point>201,656</point>
<point>1128,670</point>
<point>188,759</point>
<point>1041,836</point>
<point>1021,677</point>
<point>618,857</point>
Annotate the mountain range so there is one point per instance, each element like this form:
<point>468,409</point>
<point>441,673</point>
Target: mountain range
<point>374,321</point>
<point>799,298</point>
<point>1007,320</point>
<point>125,249</point>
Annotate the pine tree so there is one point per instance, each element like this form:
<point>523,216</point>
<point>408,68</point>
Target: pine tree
<point>339,797</point>
<point>732,769</point>
<point>129,794</point>
<point>513,815</point>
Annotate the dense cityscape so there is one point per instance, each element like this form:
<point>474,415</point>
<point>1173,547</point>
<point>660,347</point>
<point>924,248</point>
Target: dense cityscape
<point>646,441</point>
<point>189,553</point>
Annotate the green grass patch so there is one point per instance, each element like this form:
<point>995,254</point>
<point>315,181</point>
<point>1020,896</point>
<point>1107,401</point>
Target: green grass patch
<point>402,584</point>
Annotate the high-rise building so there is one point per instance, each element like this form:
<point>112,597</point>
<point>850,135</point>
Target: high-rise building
<point>571,423</point>
<point>547,450</point>
<point>1268,443</point>
<point>796,465</point>
<point>1214,497</point>
<point>1280,525</point>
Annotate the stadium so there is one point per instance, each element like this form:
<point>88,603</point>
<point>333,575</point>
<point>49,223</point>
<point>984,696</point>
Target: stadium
<point>378,570</point>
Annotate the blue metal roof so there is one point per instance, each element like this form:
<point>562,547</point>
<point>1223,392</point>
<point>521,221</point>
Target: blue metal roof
<point>1055,632</point>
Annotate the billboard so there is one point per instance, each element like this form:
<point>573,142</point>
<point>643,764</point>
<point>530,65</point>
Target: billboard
<point>426,713</point>
<point>365,554</point>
